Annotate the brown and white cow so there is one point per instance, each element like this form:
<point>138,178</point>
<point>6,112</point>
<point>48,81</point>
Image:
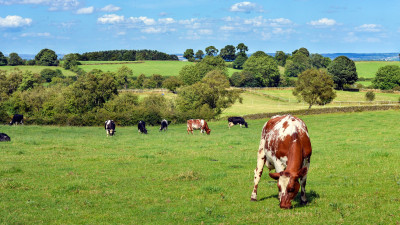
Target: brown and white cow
<point>197,124</point>
<point>285,146</point>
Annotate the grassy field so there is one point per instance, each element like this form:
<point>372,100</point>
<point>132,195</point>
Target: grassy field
<point>368,69</point>
<point>38,69</point>
<point>148,68</point>
<point>76,175</point>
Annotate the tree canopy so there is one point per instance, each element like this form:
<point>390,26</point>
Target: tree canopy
<point>387,77</point>
<point>343,70</point>
<point>228,53</point>
<point>46,57</point>
<point>265,69</point>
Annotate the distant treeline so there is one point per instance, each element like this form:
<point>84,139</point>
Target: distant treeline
<point>126,55</point>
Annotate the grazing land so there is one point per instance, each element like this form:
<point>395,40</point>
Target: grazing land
<point>37,69</point>
<point>368,69</point>
<point>75,175</point>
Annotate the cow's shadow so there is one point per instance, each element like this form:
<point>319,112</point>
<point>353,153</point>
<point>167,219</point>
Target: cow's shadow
<point>311,196</point>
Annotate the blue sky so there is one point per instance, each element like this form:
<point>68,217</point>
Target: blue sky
<point>172,26</point>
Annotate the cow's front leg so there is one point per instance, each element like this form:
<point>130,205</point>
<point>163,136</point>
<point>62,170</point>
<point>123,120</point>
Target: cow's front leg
<point>303,182</point>
<point>261,158</point>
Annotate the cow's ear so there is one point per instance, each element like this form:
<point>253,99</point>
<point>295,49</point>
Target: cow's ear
<point>275,176</point>
<point>302,172</point>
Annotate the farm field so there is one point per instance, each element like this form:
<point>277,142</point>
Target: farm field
<point>37,69</point>
<point>368,69</point>
<point>75,175</point>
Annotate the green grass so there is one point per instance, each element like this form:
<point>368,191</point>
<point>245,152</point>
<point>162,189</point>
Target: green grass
<point>148,68</point>
<point>38,69</point>
<point>368,69</point>
<point>76,175</point>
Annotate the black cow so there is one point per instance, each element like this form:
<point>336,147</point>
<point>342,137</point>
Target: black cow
<point>109,126</point>
<point>236,120</point>
<point>164,125</point>
<point>17,118</point>
<point>142,127</point>
<point>4,137</point>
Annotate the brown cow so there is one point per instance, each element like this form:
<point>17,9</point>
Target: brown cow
<point>197,124</point>
<point>285,146</point>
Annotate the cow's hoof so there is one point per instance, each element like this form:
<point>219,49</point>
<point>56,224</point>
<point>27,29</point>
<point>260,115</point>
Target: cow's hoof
<point>253,199</point>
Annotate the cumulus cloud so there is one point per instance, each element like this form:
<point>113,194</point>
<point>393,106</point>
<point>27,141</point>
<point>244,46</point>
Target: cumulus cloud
<point>88,10</point>
<point>110,8</point>
<point>245,7</point>
<point>142,19</point>
<point>110,19</point>
<point>324,22</point>
<point>14,22</point>
<point>52,4</point>
<point>166,21</point>
<point>369,28</point>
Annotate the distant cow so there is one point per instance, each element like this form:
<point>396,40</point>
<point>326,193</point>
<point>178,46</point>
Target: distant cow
<point>164,125</point>
<point>236,120</point>
<point>142,127</point>
<point>197,124</point>
<point>285,146</point>
<point>17,118</point>
<point>4,137</point>
<point>109,126</point>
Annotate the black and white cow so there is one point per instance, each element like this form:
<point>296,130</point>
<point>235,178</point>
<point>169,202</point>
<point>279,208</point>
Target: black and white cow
<point>164,125</point>
<point>109,126</point>
<point>236,120</point>
<point>17,118</point>
<point>4,137</point>
<point>142,127</point>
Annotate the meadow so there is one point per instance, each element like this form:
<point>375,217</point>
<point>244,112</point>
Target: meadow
<point>77,175</point>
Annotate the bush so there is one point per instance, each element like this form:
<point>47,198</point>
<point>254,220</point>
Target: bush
<point>370,96</point>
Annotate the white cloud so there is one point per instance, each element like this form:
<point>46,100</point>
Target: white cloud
<point>369,28</point>
<point>45,34</point>
<point>110,8</point>
<point>53,4</point>
<point>205,32</point>
<point>324,22</point>
<point>227,28</point>
<point>152,30</point>
<point>166,21</point>
<point>110,18</point>
<point>245,7</point>
<point>142,19</point>
<point>88,10</point>
<point>14,22</point>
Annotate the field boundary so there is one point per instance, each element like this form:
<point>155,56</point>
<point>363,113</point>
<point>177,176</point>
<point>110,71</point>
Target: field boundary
<point>321,111</point>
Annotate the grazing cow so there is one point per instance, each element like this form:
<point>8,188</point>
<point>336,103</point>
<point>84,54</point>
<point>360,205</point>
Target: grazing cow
<point>236,120</point>
<point>198,124</point>
<point>285,146</point>
<point>164,125</point>
<point>4,137</point>
<point>109,126</point>
<point>17,118</point>
<point>142,127</point>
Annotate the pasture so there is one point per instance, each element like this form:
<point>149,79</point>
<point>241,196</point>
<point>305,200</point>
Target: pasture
<point>76,175</point>
<point>38,69</point>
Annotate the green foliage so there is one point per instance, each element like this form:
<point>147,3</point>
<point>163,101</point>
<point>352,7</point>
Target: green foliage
<point>46,57</point>
<point>301,50</point>
<point>315,87</point>
<point>211,93</point>
<point>281,57</point>
<point>387,77</point>
<point>370,96</point>
<point>189,55</point>
<point>49,74</point>
<point>343,70</point>
<point>9,82</point>
<point>126,55</point>
<point>29,81</point>
<point>193,73</point>
<point>199,55</point>
<point>3,60</point>
<point>122,76</point>
<point>172,83</point>
<point>242,48</point>
<point>228,53</point>
<point>318,61</point>
<point>71,61</point>
<point>298,63</point>
<point>211,51</point>
<point>15,60</point>
<point>244,79</point>
<point>264,68</point>
<point>239,61</point>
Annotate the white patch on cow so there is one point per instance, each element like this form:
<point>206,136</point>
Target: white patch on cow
<point>283,182</point>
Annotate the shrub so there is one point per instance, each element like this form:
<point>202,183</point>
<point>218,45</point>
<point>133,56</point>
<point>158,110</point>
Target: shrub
<point>370,96</point>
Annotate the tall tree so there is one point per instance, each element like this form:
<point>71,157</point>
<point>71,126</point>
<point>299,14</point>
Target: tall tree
<point>3,60</point>
<point>343,70</point>
<point>122,76</point>
<point>239,61</point>
<point>46,57</point>
<point>242,48</point>
<point>319,61</point>
<point>265,69</point>
<point>315,87</point>
<point>189,55</point>
<point>281,57</point>
<point>199,55</point>
<point>387,77</point>
<point>211,51</point>
<point>228,53</point>
<point>297,64</point>
<point>302,50</point>
<point>14,59</point>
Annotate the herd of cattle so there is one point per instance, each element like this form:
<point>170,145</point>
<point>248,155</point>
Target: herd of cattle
<point>285,146</point>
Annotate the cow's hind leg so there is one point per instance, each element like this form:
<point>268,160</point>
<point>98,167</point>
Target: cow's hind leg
<point>303,182</point>
<point>261,158</point>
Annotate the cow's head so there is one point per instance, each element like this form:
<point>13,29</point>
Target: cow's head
<point>208,131</point>
<point>288,186</point>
